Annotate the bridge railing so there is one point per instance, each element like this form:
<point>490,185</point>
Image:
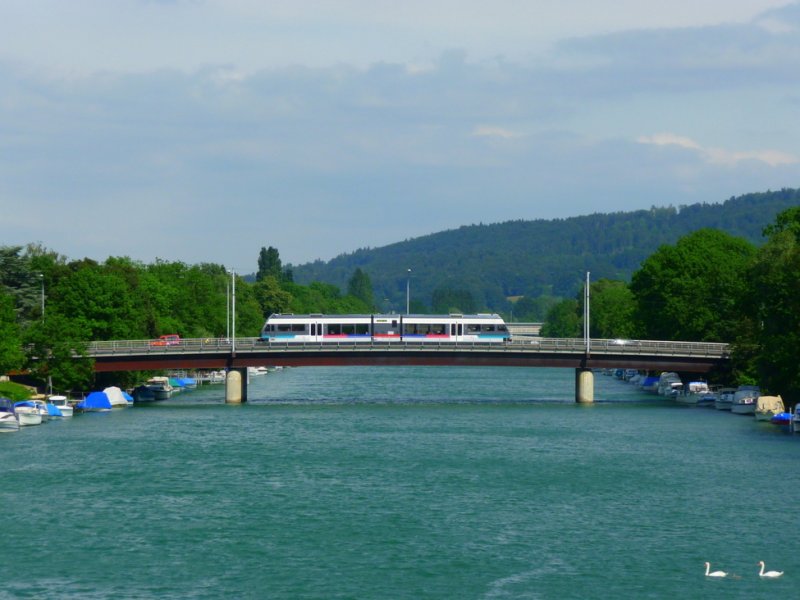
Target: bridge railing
<point>520,344</point>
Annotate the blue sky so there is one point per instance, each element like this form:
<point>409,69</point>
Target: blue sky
<point>202,130</point>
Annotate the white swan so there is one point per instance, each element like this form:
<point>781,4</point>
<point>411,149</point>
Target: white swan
<point>714,573</point>
<point>768,573</point>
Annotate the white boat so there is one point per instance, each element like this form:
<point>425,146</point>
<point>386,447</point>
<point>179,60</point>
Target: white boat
<point>744,400</point>
<point>724,398</point>
<point>767,407</point>
<point>160,386</point>
<point>795,424</point>
<point>669,383</point>
<point>8,420</point>
<point>62,404</point>
<point>27,413</point>
<point>116,397</point>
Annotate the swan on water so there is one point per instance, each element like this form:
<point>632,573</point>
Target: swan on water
<point>714,573</point>
<point>768,573</point>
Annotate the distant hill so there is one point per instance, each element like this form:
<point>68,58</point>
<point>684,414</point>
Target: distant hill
<point>541,257</point>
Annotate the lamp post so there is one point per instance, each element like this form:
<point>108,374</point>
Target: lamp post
<point>586,314</point>
<point>227,311</point>
<point>41,278</point>
<point>408,293</point>
<point>233,312</point>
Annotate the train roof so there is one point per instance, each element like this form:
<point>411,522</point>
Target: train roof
<point>383,316</point>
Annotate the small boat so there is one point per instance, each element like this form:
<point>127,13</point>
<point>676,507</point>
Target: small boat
<point>796,419</point>
<point>782,418</point>
<point>724,398</point>
<point>744,400</point>
<point>117,397</point>
<point>142,393</point>
<point>95,402</point>
<point>62,404</point>
<point>707,400</point>
<point>8,420</point>
<point>160,387</point>
<point>27,413</point>
<point>767,407</point>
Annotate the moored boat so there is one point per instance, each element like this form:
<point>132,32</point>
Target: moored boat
<point>744,399</point>
<point>27,413</point>
<point>95,402</point>
<point>8,420</point>
<point>767,407</point>
<point>117,397</point>
<point>160,386</point>
<point>62,404</point>
<point>796,418</point>
<point>724,398</point>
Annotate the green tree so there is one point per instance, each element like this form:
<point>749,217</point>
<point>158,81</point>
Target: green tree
<point>445,300</point>
<point>56,352</point>
<point>612,307</point>
<point>11,355</point>
<point>563,320</point>
<point>692,291</point>
<point>269,264</point>
<point>360,286</point>
<point>773,307</point>
<point>271,297</point>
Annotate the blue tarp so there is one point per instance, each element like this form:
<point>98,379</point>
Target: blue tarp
<point>127,397</point>
<point>6,405</point>
<point>53,410</point>
<point>187,381</point>
<point>95,400</point>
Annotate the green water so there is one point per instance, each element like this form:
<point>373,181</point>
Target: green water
<point>400,483</point>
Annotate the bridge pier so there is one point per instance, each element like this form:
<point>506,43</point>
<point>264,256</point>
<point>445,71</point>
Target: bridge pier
<point>236,386</point>
<point>584,386</point>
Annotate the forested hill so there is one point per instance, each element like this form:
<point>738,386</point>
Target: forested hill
<point>491,263</point>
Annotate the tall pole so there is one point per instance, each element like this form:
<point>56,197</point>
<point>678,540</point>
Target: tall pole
<point>228,310</point>
<point>233,312</point>
<point>41,277</point>
<point>586,314</point>
<point>408,293</point>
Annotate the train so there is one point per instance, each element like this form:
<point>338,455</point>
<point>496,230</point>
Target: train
<point>321,328</point>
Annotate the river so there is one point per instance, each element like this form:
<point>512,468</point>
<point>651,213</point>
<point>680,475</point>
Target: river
<point>400,482</point>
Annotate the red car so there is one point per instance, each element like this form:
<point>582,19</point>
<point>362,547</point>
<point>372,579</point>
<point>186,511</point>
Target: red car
<point>173,339</point>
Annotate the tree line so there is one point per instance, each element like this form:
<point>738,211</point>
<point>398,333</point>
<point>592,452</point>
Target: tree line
<point>708,286</point>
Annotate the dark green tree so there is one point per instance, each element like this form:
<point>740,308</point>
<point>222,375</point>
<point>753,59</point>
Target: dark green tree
<point>445,300</point>
<point>269,264</point>
<point>773,307</point>
<point>563,320</point>
<point>612,308</point>
<point>56,352</point>
<point>693,290</point>
<point>360,286</point>
<point>271,297</point>
<point>11,355</point>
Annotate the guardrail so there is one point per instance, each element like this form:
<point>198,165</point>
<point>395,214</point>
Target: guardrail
<point>525,345</point>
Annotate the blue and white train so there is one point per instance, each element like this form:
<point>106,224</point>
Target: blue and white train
<point>385,328</point>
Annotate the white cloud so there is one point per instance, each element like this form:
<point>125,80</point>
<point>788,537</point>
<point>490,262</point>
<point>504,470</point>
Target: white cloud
<point>721,156</point>
<point>495,132</point>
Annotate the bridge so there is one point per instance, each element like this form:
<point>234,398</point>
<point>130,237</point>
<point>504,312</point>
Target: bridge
<point>237,354</point>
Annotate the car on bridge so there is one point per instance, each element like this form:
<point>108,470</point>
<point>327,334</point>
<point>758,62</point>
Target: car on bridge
<point>172,339</point>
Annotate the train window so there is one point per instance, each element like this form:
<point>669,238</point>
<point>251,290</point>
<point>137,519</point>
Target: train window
<point>298,328</point>
<point>438,328</point>
<point>473,328</point>
<point>334,329</point>
<point>313,329</point>
<point>362,328</point>
<point>452,328</point>
<point>284,327</point>
<point>348,329</point>
<point>487,328</point>
<point>394,323</point>
<point>502,328</point>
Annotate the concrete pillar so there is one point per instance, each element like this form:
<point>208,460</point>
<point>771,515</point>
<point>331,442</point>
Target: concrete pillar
<point>236,386</point>
<point>584,386</point>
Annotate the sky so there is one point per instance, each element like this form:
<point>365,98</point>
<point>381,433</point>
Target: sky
<point>204,130</point>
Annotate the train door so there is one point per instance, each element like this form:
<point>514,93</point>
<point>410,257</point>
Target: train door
<point>316,332</point>
<point>456,331</point>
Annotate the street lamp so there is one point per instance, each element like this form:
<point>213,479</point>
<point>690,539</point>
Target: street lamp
<point>408,293</point>
<point>233,311</point>
<point>41,278</point>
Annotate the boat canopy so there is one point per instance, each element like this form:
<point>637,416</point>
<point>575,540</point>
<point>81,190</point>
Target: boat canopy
<point>773,404</point>
<point>6,405</point>
<point>95,400</point>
